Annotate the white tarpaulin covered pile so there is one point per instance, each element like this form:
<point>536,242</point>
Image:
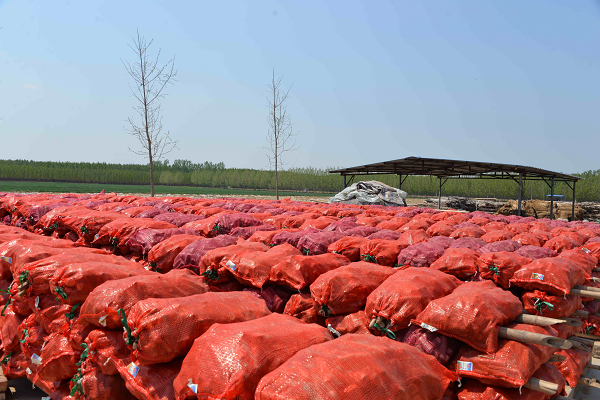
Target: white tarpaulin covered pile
<point>369,193</point>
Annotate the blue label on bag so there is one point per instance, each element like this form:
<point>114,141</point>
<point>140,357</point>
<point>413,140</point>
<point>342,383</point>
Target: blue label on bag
<point>6,259</point>
<point>464,366</point>
<point>231,265</point>
<point>539,277</point>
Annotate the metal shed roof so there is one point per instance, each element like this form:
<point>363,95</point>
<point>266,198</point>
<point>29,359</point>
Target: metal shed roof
<point>454,169</point>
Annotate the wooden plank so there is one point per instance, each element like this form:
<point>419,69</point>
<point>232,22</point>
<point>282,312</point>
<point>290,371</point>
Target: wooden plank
<point>3,383</point>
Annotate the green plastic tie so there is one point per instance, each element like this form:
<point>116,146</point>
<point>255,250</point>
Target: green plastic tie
<point>130,339</point>
<point>24,277</point>
<point>539,305</point>
<point>5,307</point>
<point>211,274</point>
<point>53,226</point>
<point>336,252</point>
<point>84,355</point>
<point>272,245</point>
<point>70,315</point>
<point>154,267</point>
<point>306,252</point>
<point>388,333</point>
<point>325,311</point>
<point>369,258</point>
<point>25,335</point>
<point>77,386</point>
<point>84,229</point>
<point>114,242</point>
<point>589,330</point>
<point>31,220</point>
<point>6,358</point>
<point>59,291</point>
<point>492,267</point>
<point>216,228</point>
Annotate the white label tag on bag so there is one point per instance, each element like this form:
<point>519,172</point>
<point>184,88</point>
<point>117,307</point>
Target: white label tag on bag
<point>539,277</point>
<point>37,302</point>
<point>231,265</point>
<point>586,250</point>
<point>193,387</point>
<point>6,259</point>
<point>133,369</point>
<point>464,366</point>
<point>102,320</point>
<point>97,236</point>
<point>428,327</point>
<point>36,360</point>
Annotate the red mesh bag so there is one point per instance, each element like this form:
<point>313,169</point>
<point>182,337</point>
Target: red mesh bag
<point>518,227</point>
<point>291,237</point>
<point>266,237</point>
<point>118,232</point>
<point>460,262</point>
<point>212,265</point>
<point>475,390</point>
<point>258,347</point>
<point>591,325</point>
<point>248,231</point>
<point>535,252</point>
<point>74,282</point>
<point>9,328</point>
<point>344,290</point>
<point>254,267</point>
<point>468,243</point>
<point>16,253</point>
<point>332,370</point>
<point>176,218</point>
<point>298,272</point>
<point>443,348</point>
<point>103,303</point>
<point>87,224</point>
<point>154,382</point>
<point>496,236</point>
<point>316,243</point>
<point>529,239</point>
<point>561,243</point>
<point>152,213</point>
<point>274,297</point>
<point>48,222</point>
<point>92,384</point>
<point>348,246</point>
<point>472,313</point>
<point>362,231</point>
<point>302,306</point>
<point>443,241</point>
<point>352,323</point>
<point>385,234</point>
<point>135,212</point>
<point>578,237</point>
<point>31,337</point>
<point>225,223</point>
<point>406,293</point>
<point>469,231</point>
<point>164,329</point>
<point>34,278</point>
<point>368,221</point>
<point>593,248</point>
<point>107,349</point>
<point>162,256</point>
<point>572,366</point>
<point>49,312</point>
<point>416,225</point>
<point>143,240</point>
<point>499,267</point>
<point>420,255</point>
<point>551,306</point>
<point>318,223</point>
<point>555,275</point>
<point>585,260</point>
<point>410,237</point>
<point>13,363</point>
<point>190,256</point>
<point>511,365</point>
<point>393,223</point>
<point>481,221</point>
<point>342,225</point>
<point>381,251</point>
<point>59,359</point>
<point>442,228</point>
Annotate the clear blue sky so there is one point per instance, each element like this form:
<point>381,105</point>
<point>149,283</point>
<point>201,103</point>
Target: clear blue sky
<point>504,81</point>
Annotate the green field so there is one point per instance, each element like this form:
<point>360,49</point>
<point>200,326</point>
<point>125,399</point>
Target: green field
<point>67,187</point>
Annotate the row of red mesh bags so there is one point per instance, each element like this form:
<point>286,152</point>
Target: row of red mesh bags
<point>115,296</point>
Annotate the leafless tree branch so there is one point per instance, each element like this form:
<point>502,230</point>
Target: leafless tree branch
<point>150,79</point>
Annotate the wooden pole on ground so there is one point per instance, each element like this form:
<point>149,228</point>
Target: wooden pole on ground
<point>534,338</point>
<point>541,386</point>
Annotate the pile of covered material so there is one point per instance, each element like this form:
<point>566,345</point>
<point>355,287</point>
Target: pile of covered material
<point>370,193</point>
<point>123,297</point>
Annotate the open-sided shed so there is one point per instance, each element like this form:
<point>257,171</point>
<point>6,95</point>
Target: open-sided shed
<point>458,169</point>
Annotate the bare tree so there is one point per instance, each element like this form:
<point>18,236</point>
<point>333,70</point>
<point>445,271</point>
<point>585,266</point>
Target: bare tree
<point>280,136</point>
<point>149,82</point>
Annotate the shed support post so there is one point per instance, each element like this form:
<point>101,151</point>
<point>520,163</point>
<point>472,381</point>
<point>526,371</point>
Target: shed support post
<point>400,181</point>
<point>440,197</point>
<point>520,194</point>
<point>344,181</point>
<point>552,199</point>
<point>573,206</point>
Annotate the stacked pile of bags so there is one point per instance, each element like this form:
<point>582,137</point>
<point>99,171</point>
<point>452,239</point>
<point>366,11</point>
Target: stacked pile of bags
<point>108,296</point>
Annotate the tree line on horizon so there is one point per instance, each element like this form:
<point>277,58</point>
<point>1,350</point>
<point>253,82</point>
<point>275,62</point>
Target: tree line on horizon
<point>216,175</point>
